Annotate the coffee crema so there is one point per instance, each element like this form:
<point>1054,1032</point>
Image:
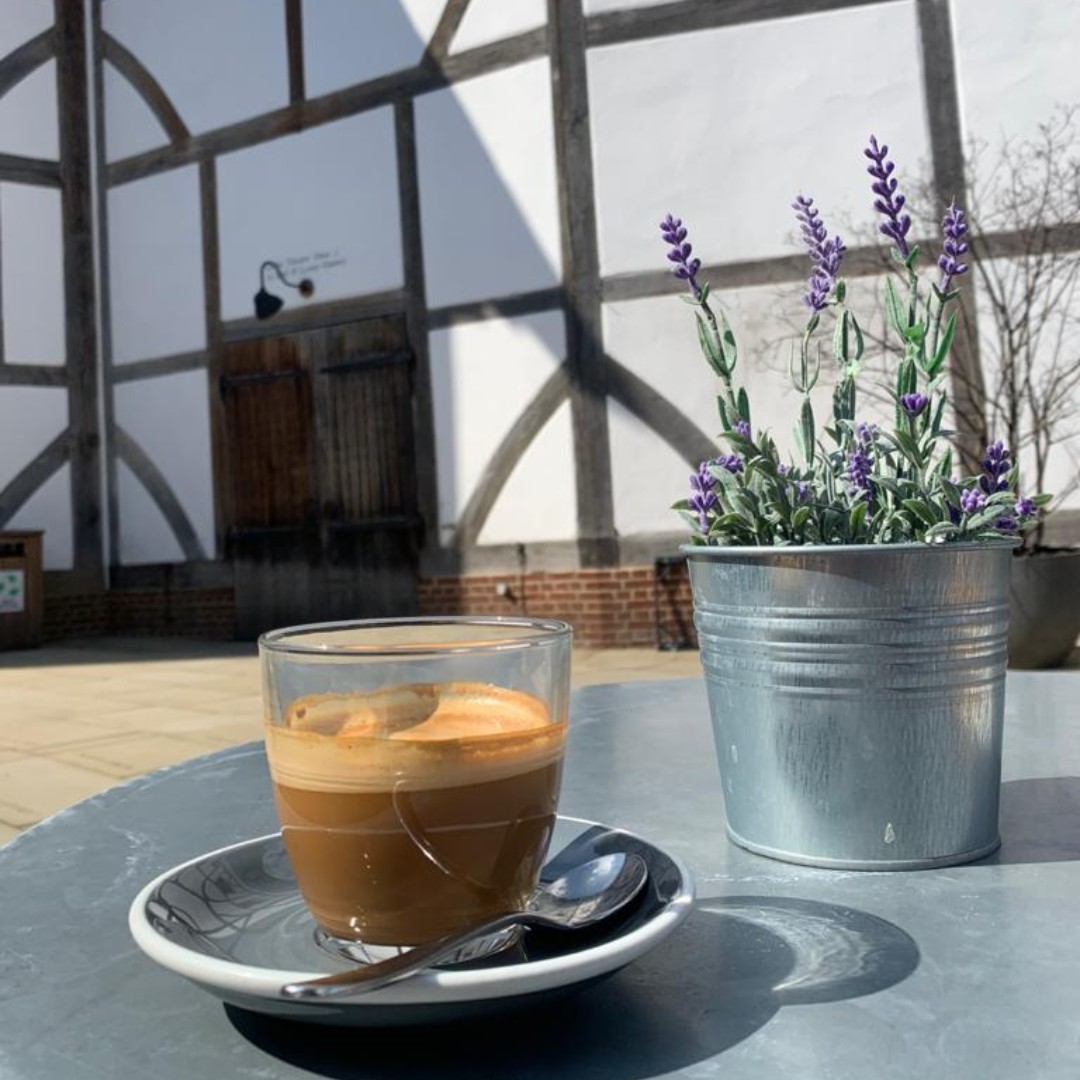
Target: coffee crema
<point>413,810</point>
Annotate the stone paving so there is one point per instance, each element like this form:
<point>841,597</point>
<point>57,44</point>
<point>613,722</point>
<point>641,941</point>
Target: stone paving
<point>81,716</point>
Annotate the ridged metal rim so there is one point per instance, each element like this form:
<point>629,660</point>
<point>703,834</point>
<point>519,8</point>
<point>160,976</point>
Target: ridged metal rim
<point>722,550</point>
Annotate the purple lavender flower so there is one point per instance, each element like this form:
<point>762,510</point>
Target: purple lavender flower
<point>889,202</point>
<point>782,469</point>
<point>860,462</point>
<point>1007,525</point>
<point>954,227</point>
<point>686,269</point>
<point>742,428</point>
<point>1025,508</point>
<point>703,497</point>
<point>995,466</point>
<point>732,462</point>
<point>826,253</point>
<point>972,500</point>
<point>802,490</point>
<point>913,404</point>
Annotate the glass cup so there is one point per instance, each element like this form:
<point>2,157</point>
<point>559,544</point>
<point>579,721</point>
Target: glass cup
<point>416,766</point>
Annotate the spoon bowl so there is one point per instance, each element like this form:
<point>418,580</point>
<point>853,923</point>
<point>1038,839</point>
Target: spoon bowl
<point>583,896</point>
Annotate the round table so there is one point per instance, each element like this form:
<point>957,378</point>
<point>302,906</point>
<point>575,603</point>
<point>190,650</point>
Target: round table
<point>781,971</point>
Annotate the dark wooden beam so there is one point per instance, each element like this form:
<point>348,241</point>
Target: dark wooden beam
<point>158,488</point>
<point>26,58</point>
<point>416,320</point>
<point>497,307</point>
<point>967,387</point>
<point>33,475</point>
<point>80,301</point>
<point>441,39</point>
<point>215,350</point>
<point>32,375</point>
<point>684,16</point>
<point>112,493</point>
<point>294,36</point>
<point>373,94</point>
<point>656,412</point>
<point>28,170</point>
<point>155,368</point>
<point>509,452</point>
<point>146,86</point>
<point>581,277</point>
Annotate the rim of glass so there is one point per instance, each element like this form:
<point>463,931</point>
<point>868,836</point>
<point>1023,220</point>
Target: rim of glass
<point>282,641</point>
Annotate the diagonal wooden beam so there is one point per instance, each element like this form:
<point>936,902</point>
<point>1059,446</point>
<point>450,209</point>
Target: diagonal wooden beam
<point>26,58</point>
<point>509,452</point>
<point>443,37</point>
<point>146,86</point>
<point>160,490</point>
<point>660,415</point>
<point>31,477</point>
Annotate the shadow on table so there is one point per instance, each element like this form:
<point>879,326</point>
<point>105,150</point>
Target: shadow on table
<point>723,975</point>
<point>1040,821</point>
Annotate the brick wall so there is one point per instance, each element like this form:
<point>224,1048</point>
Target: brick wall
<point>608,608</point>
<point>196,613</point>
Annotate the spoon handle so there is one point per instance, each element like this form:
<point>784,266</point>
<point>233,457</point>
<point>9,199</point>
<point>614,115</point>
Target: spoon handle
<point>360,980</point>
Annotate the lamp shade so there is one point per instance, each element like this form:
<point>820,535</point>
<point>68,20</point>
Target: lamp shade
<point>267,304</point>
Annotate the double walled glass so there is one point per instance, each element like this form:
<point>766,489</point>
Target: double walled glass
<point>416,766</point>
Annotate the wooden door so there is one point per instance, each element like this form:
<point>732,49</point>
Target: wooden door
<point>319,483</point>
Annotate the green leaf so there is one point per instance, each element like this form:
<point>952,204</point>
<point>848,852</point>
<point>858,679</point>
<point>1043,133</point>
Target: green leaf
<point>894,308</point>
<point>743,404</point>
<point>844,399</point>
<point>943,347</point>
<point>727,344</point>
<point>920,510</point>
<point>840,338</point>
<point>801,516</point>
<point>857,518</point>
<point>804,433</point>
<point>710,347</point>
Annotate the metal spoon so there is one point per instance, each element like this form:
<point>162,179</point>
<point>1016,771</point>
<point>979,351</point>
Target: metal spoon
<point>582,897</point>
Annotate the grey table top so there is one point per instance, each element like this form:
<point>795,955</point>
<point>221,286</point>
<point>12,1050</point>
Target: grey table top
<point>781,971</point>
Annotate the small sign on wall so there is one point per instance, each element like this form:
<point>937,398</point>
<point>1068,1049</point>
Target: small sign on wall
<point>12,591</point>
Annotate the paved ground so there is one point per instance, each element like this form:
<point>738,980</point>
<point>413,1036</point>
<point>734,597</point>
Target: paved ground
<point>81,716</point>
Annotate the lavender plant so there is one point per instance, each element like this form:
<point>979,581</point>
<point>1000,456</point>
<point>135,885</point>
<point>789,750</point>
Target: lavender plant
<point>854,483</point>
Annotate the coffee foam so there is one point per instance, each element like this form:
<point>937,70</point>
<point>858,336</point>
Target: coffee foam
<point>412,737</point>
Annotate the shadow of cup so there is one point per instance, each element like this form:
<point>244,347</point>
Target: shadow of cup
<point>718,979</point>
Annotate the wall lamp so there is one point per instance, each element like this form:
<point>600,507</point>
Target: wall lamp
<point>266,303</point>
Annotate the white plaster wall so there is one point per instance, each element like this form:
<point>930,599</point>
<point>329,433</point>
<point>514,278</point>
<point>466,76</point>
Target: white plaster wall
<point>49,508</point>
<point>32,274</point>
<point>130,125</point>
<point>155,266</point>
<point>539,501</point>
<point>323,203</point>
<point>169,418</point>
<point>30,418</point>
<point>346,42</point>
<point>492,20</point>
<point>724,127</point>
<point>598,7</point>
<point>22,20</point>
<point>488,194</point>
<point>28,118</point>
<point>145,536</point>
<point>483,375</point>
<point>217,62</point>
<point>656,339</point>
<point>1015,61</point>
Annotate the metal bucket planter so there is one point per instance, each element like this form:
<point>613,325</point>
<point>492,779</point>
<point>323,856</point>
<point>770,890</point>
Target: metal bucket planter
<point>857,697</point>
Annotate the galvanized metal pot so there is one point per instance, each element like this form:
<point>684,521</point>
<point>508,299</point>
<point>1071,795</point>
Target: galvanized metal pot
<point>857,697</point>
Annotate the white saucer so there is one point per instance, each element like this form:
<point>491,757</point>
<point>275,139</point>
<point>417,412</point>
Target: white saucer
<point>233,922</point>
